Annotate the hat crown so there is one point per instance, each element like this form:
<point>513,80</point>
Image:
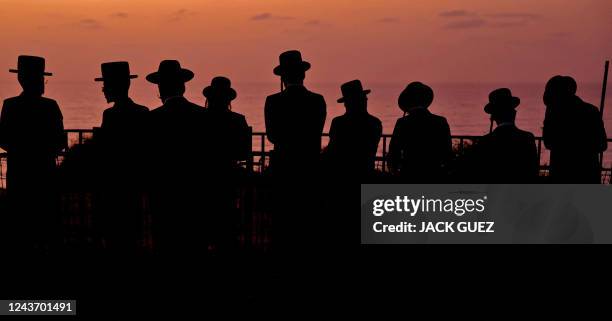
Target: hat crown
<point>352,88</point>
<point>115,69</point>
<point>30,64</point>
<point>500,95</point>
<point>290,57</point>
<point>221,83</point>
<point>169,66</point>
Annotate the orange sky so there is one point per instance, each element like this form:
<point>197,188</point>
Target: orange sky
<point>375,40</point>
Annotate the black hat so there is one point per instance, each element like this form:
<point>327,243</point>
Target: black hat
<point>501,99</point>
<point>31,65</point>
<point>351,89</point>
<point>290,60</point>
<point>416,94</point>
<point>220,87</point>
<point>170,70</point>
<point>115,70</point>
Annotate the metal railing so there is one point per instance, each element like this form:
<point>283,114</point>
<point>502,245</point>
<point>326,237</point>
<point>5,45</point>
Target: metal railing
<point>260,155</point>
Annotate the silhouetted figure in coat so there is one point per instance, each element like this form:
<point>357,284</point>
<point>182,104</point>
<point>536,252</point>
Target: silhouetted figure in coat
<point>354,136</point>
<point>507,154</point>
<point>32,132</point>
<point>421,144</point>
<point>228,137</point>
<point>294,124</point>
<point>177,157</point>
<point>573,132</point>
<point>121,139</point>
<point>294,119</point>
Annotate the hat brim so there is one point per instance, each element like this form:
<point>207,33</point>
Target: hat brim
<point>342,99</point>
<point>184,75</point>
<point>16,71</point>
<point>280,70</point>
<point>210,91</point>
<point>102,78</point>
<point>492,107</point>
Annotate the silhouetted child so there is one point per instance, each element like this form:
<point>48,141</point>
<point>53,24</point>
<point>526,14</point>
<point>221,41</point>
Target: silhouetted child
<point>573,132</point>
<point>177,141</point>
<point>507,154</point>
<point>228,137</point>
<point>121,139</point>
<point>354,136</point>
<point>32,132</point>
<point>421,143</point>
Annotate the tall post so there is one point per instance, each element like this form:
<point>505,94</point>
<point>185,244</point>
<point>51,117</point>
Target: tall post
<point>602,103</point>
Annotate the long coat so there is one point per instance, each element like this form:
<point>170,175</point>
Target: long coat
<point>122,138</point>
<point>353,143</point>
<point>421,146</point>
<point>177,154</point>
<point>575,135</point>
<point>294,124</point>
<point>32,132</point>
<point>506,155</point>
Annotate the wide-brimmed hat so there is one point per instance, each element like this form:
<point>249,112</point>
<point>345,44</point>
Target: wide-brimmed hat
<point>290,61</point>
<point>416,94</point>
<point>220,87</point>
<point>501,99</point>
<point>170,70</point>
<point>352,88</point>
<point>31,65</point>
<point>118,70</point>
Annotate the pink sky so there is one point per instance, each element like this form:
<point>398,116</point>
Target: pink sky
<point>375,40</point>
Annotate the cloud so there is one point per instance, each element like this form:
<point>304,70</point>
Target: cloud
<point>463,19</point>
<point>388,20</point>
<point>88,23</point>
<point>466,24</point>
<point>181,14</point>
<point>455,13</point>
<point>119,15</point>
<point>269,16</point>
<point>513,15</point>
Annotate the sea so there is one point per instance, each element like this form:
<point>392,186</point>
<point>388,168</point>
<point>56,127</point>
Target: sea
<point>462,104</point>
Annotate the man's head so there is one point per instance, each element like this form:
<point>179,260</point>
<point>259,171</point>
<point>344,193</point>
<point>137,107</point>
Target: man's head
<point>354,97</point>
<point>502,105</point>
<point>559,89</point>
<point>416,94</point>
<point>170,79</point>
<point>30,74</point>
<point>116,80</point>
<point>220,92</point>
<point>292,69</point>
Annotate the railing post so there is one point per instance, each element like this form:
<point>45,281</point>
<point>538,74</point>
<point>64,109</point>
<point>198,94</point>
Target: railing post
<point>384,155</point>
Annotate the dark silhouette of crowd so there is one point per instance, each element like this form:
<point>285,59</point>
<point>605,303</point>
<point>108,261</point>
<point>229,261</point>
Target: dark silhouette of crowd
<point>192,196</point>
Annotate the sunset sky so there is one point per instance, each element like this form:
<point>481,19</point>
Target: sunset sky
<point>376,40</point>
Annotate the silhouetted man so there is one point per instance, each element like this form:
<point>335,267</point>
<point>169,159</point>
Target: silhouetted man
<point>121,139</point>
<point>508,154</point>
<point>32,132</point>
<point>294,119</point>
<point>573,132</point>
<point>354,136</point>
<point>228,135</point>
<point>177,164</point>
<point>421,143</point>
<point>294,124</point>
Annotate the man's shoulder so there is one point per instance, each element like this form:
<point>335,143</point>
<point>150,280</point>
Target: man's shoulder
<point>438,118</point>
<point>140,108</point>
